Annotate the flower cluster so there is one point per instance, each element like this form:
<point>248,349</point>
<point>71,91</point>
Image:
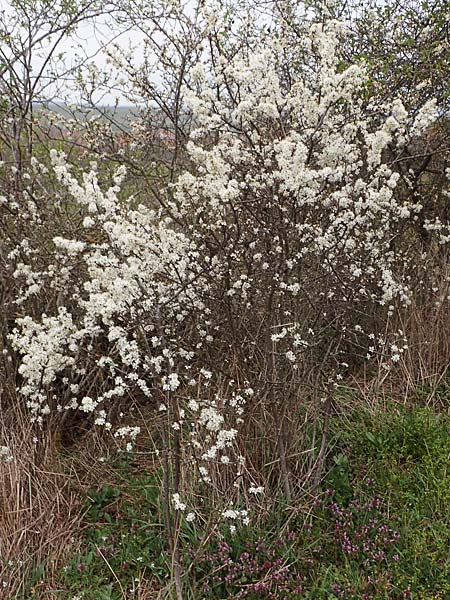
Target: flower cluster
<point>5,454</point>
<point>371,540</point>
<point>259,571</point>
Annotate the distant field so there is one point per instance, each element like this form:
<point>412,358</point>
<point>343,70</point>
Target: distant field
<point>121,116</point>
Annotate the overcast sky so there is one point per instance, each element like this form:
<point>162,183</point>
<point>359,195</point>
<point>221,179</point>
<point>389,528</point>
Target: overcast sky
<point>87,46</point>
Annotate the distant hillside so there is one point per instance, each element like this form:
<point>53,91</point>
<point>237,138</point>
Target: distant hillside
<point>120,117</point>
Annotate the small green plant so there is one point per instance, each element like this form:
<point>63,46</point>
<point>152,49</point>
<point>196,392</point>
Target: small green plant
<point>123,544</point>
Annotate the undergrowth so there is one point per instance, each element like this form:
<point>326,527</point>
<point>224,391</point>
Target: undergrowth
<point>378,530</point>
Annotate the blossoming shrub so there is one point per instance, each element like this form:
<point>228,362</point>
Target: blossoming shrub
<point>279,256</point>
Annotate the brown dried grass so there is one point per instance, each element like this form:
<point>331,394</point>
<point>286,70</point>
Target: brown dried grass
<point>422,374</point>
<point>39,510</point>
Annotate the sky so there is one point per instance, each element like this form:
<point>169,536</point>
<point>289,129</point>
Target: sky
<point>89,45</point>
<point>83,49</point>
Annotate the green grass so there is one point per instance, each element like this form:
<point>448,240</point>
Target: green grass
<point>386,493</point>
<point>124,542</point>
<point>406,455</point>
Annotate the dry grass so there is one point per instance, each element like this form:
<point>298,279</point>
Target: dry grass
<point>39,510</point>
<point>422,373</point>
